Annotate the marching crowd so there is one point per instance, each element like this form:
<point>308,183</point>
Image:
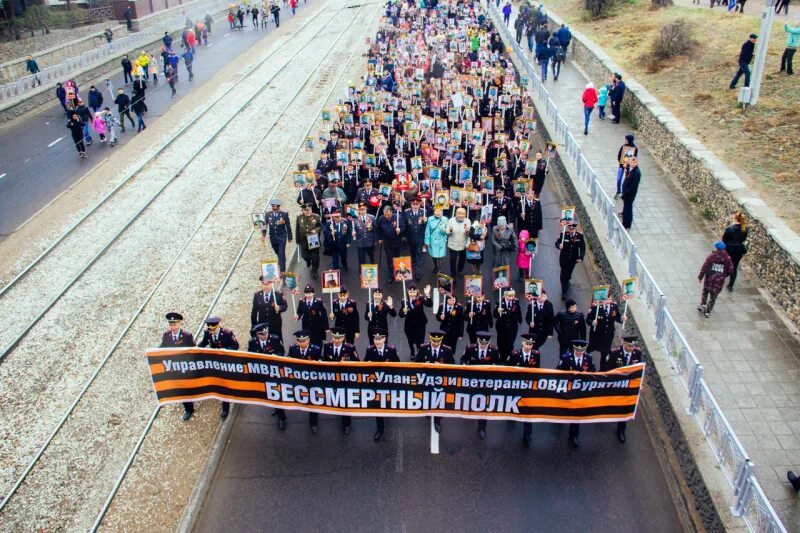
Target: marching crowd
<point>433,152</point>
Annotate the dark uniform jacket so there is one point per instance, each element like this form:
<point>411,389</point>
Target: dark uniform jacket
<point>530,218</point>
<point>306,225</point>
<point>314,317</point>
<point>482,321</point>
<point>278,225</point>
<point>310,197</point>
<point>312,352</point>
<point>225,339</point>
<point>415,228</point>
<point>415,316</point>
<point>617,358</point>
<point>386,230</point>
<point>272,346</point>
<point>542,320</point>
<point>389,354</point>
<point>517,358</point>
<point>347,352</point>
<point>364,231</point>
<point>569,362</point>
<point>185,340</point>
<point>379,314</point>
<point>346,315</point>
<point>263,311</point>
<point>601,337</point>
<point>574,248</point>
<point>511,317</point>
<point>503,208</point>
<point>444,356</point>
<point>570,326</point>
<point>472,356</point>
<point>453,322</point>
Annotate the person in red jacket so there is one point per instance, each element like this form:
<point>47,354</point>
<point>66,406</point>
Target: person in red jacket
<point>589,101</point>
<point>717,267</point>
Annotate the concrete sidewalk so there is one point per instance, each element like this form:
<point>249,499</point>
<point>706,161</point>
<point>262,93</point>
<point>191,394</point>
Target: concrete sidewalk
<point>751,359</point>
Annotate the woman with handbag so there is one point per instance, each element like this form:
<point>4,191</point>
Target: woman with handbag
<point>734,238</point>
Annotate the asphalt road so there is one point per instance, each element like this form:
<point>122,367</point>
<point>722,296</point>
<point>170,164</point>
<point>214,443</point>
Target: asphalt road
<point>37,158</point>
<point>294,481</point>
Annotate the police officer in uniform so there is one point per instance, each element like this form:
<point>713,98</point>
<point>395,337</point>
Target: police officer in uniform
<point>626,355</point>
<point>309,223</point>
<point>526,357</point>
<point>540,318</point>
<point>508,317</point>
<point>364,234</point>
<point>268,304</point>
<point>529,214</point>
<point>380,352</point>
<point>435,352</point>
<point>303,349</point>
<point>263,341</point>
<point>177,337</point>
<point>481,353</point>
<point>502,206</point>
<point>314,317</point>
<point>601,319</point>
<point>336,351</point>
<point>576,360</point>
<point>451,320</point>
<point>416,218</point>
<point>337,240</point>
<point>573,248</point>
<point>479,317</point>
<point>280,230</point>
<point>364,194</point>
<point>345,315</point>
<point>377,312</point>
<point>413,310</point>
<point>218,338</point>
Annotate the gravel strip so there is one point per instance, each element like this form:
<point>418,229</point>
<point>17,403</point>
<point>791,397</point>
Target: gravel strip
<point>71,482</point>
<point>36,390</point>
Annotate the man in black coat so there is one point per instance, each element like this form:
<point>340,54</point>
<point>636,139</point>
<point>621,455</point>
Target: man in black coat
<point>413,310</point>
<point>508,317</point>
<point>615,95</point>
<point>626,355</point>
<point>219,338</point>
<point>364,234</point>
<point>451,320</point>
<point>576,360</point>
<point>745,58</point>
<point>526,357</point>
<point>630,186</point>
<point>573,248</point>
<point>380,352</point>
<point>280,231</point>
<point>539,318</point>
<point>502,206</point>
<point>177,337</point>
<point>435,352</point>
<point>602,319</point>
<point>262,341</point>
<point>377,312</point>
<point>389,230</point>
<point>479,317</point>
<point>415,219</point>
<point>268,305</point>
<point>569,324</point>
<point>312,312</point>
<point>481,353</point>
<point>529,214</point>
<point>345,315</point>
<point>303,349</point>
<point>336,351</point>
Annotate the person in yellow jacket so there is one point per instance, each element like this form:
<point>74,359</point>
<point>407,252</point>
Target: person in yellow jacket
<point>144,61</point>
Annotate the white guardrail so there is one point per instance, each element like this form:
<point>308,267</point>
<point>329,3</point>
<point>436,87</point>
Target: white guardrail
<point>751,504</point>
<point>62,71</point>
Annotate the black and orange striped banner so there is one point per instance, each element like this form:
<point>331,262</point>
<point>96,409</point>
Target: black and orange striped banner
<point>396,389</point>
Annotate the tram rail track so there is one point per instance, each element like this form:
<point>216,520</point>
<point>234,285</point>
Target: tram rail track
<point>87,386</point>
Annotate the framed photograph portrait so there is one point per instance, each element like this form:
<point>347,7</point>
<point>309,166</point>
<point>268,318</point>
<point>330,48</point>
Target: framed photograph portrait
<point>369,276</point>
<point>258,220</point>
<point>533,288</point>
<point>402,268</point>
<point>269,269</point>
<point>331,281</point>
<point>500,277</point>
<point>473,286</point>
<point>290,280</point>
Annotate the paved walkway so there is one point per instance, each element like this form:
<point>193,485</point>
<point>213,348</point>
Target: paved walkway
<point>750,358</point>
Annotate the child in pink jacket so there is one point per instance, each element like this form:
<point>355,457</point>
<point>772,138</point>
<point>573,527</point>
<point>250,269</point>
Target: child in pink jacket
<point>99,126</point>
<point>523,257</point>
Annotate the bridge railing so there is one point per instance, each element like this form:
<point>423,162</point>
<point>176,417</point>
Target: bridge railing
<point>751,504</point>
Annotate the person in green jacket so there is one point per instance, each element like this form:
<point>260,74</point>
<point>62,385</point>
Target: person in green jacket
<point>791,46</point>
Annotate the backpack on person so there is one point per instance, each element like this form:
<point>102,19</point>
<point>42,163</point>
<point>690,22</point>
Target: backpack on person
<point>559,55</point>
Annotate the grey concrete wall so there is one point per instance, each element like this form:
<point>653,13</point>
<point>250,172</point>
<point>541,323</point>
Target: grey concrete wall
<point>774,249</point>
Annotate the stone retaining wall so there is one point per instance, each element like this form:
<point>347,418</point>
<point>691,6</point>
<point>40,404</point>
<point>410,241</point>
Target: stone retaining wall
<point>774,249</point>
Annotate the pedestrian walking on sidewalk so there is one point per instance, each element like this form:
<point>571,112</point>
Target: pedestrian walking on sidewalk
<point>276,14</point>
<point>172,77</point>
<point>127,69</point>
<point>734,238</point>
<point>95,99</point>
<point>507,13</point>
<point>128,19</point>
<point>626,151</point>
<point>630,186</point>
<point>86,118</point>
<point>75,126</point>
<point>791,45</point>
<point>111,124</point>
<point>602,100</point>
<point>745,58</point>
<point>139,108</point>
<point>543,54</point>
<point>99,126</point>
<point>254,13</point>
<point>616,93</point>
<point>519,26</point>
<point>556,55</point>
<point>123,102</point>
<point>153,68</point>
<point>589,99</point>
<point>188,60</point>
<point>61,94</point>
<point>716,268</point>
<point>33,67</point>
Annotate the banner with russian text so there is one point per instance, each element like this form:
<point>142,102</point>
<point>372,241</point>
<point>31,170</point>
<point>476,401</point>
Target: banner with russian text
<point>396,389</point>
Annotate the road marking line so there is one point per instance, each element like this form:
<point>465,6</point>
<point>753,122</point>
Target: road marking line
<point>3,175</point>
<point>434,439</point>
<point>225,35</point>
<point>210,45</point>
<point>55,142</point>
<point>27,160</point>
